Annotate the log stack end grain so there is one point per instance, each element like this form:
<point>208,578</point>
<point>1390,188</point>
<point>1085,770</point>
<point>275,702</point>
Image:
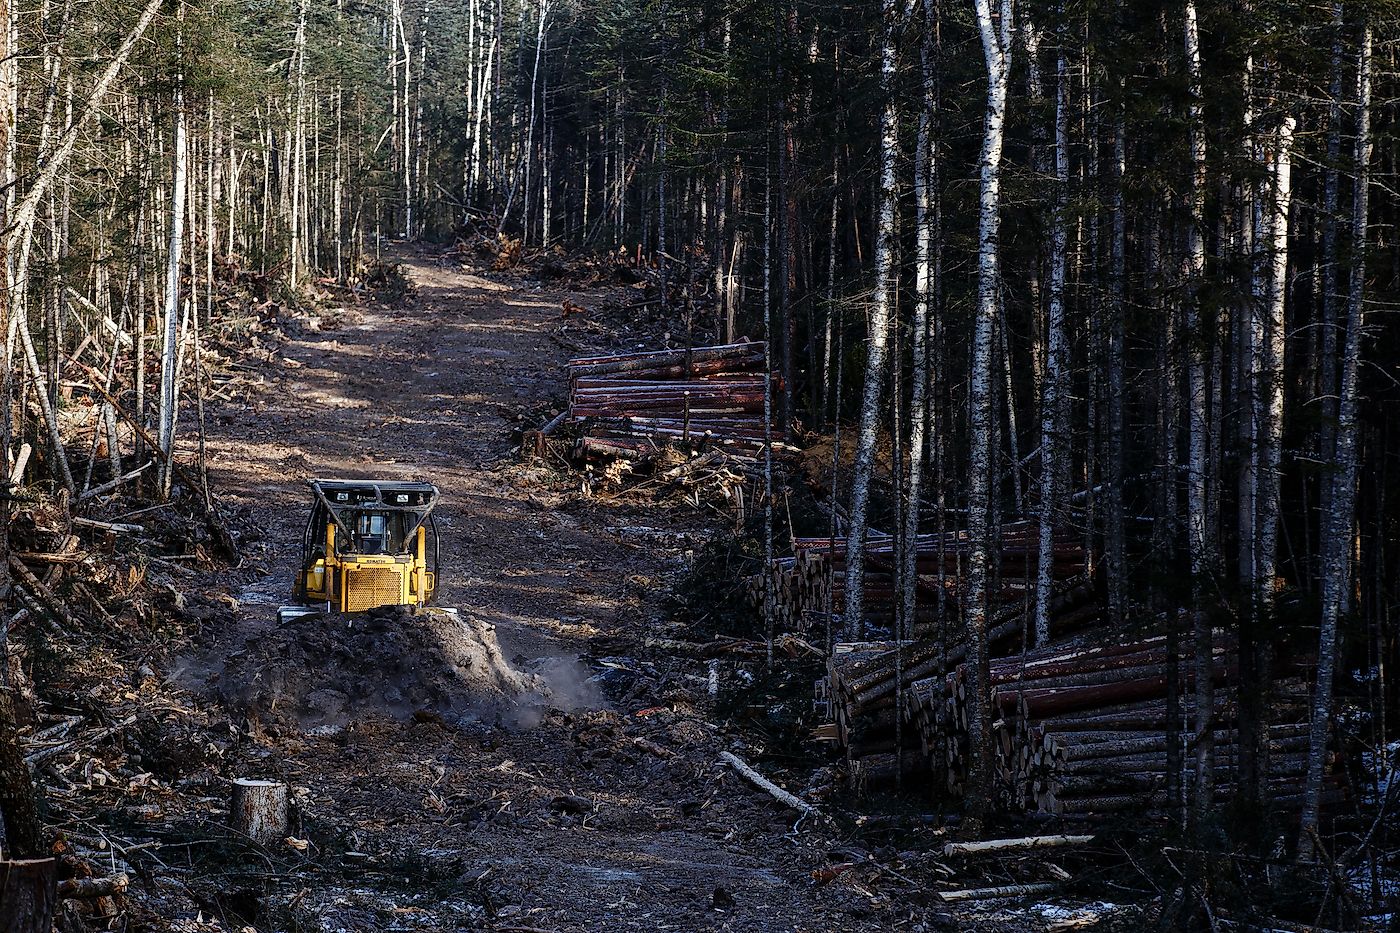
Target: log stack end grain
<point>1079,727</point>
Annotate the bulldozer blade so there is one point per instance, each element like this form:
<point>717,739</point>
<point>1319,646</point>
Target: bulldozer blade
<point>286,614</point>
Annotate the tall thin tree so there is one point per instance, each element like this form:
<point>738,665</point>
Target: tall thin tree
<point>881,313</point>
<point>996,31</point>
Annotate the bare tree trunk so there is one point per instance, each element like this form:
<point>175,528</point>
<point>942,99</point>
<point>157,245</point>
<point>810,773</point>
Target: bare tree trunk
<point>473,55</point>
<point>1255,670</point>
<point>996,50</point>
<point>210,171</point>
<point>1328,278</point>
<point>1337,542</point>
<point>20,834</point>
<point>481,116</point>
<point>1199,538</point>
<point>298,147</point>
<point>1165,524</point>
<point>768,405</point>
<point>416,198</point>
<point>1115,561</point>
<point>925,182</point>
<point>406,127</point>
<point>832,359</point>
<point>1053,414</point>
<point>528,153</point>
<point>169,361</point>
<point>882,308</point>
<point>663,266</point>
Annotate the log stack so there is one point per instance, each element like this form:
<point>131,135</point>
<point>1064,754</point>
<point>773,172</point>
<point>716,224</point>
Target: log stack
<point>813,581</point>
<point>864,679</point>
<point>1076,773</point>
<point>702,396</point>
<point>1080,728</point>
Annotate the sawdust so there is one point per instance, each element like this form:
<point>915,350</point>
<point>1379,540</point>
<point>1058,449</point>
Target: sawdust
<point>321,671</point>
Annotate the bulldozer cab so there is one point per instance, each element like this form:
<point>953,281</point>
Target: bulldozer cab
<point>368,543</point>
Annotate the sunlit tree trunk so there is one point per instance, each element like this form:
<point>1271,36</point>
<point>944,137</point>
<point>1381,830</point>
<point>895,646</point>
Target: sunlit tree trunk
<point>925,184</point>
<point>882,309</point>
<point>169,357</point>
<point>298,234</point>
<point>19,818</point>
<point>1256,669</point>
<point>996,34</point>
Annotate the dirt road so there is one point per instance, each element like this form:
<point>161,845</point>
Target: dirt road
<point>429,389</point>
<point>426,825</point>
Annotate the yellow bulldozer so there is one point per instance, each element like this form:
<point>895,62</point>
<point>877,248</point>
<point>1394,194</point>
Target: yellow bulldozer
<point>368,543</point>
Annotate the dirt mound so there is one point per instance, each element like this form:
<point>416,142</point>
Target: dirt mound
<point>325,669</point>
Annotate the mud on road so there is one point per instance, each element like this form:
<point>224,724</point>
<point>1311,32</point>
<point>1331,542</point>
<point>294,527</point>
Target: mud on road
<point>608,813</point>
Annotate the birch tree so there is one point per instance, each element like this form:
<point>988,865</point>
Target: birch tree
<point>19,818</point>
<point>1053,415</point>
<point>1254,744</point>
<point>1198,535</point>
<point>1336,545</point>
<point>925,224</point>
<point>996,34</point>
<point>298,144</point>
<point>881,312</point>
<point>170,330</point>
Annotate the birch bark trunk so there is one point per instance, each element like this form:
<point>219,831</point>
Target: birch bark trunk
<point>1198,535</point>
<point>298,146</point>
<point>1255,670</point>
<point>1053,416</point>
<point>996,35</point>
<point>1337,542</point>
<point>169,357</point>
<point>925,181</point>
<point>19,818</point>
<point>881,312</point>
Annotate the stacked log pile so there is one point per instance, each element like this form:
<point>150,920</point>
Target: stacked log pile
<point>631,402</point>
<point>812,582</point>
<point>864,680</point>
<point>1080,729</point>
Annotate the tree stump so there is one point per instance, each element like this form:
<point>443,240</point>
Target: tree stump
<point>259,810</point>
<point>28,895</point>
